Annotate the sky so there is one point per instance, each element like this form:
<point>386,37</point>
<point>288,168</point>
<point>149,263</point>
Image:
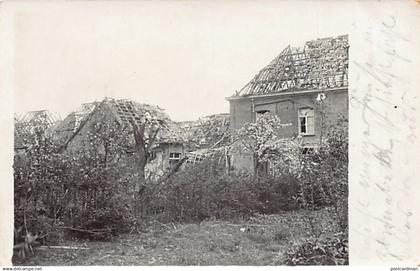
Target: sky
<point>184,56</point>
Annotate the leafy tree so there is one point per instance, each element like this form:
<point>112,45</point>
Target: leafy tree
<point>151,129</point>
<point>261,139</point>
<point>145,136</point>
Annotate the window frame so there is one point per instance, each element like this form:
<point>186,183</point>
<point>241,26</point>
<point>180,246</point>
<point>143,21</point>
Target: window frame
<point>308,131</point>
<point>307,150</point>
<point>178,156</point>
<point>174,160</point>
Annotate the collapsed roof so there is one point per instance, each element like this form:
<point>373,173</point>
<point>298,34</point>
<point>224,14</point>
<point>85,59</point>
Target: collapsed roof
<point>128,111</point>
<point>320,64</point>
<point>125,112</point>
<point>31,122</point>
<point>32,119</point>
<point>207,132</point>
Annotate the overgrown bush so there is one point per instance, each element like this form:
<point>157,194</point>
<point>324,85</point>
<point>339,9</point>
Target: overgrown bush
<point>204,190</point>
<point>323,181</point>
<point>72,191</point>
<point>326,250</point>
<point>324,175</point>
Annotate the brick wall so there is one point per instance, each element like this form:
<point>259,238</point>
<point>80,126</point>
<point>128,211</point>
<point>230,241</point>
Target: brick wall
<point>286,107</point>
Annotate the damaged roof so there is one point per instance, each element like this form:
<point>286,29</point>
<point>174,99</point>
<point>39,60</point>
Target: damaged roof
<point>319,64</point>
<point>40,118</point>
<point>125,112</point>
<point>128,111</point>
<point>207,132</point>
<point>27,125</point>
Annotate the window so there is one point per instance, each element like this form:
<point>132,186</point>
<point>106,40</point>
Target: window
<point>307,150</point>
<point>174,158</point>
<point>263,167</point>
<point>152,155</point>
<point>260,113</point>
<point>306,121</point>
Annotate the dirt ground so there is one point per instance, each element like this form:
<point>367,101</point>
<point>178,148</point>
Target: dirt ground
<point>261,240</point>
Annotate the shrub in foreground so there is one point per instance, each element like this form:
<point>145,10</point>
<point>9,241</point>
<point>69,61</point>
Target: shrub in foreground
<point>325,250</point>
<point>205,191</point>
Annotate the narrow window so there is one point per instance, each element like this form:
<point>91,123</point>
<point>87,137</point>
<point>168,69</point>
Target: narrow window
<point>302,125</point>
<point>306,121</point>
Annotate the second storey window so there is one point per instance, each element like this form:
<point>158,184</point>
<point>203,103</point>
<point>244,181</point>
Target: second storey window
<point>306,121</point>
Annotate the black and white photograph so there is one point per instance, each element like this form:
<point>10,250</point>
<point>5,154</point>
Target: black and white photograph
<point>182,133</point>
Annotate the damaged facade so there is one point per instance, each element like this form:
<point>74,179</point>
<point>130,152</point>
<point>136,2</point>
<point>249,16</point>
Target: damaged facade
<point>73,133</point>
<point>307,88</point>
<point>194,139</point>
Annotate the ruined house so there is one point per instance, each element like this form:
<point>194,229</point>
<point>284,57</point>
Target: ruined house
<point>74,133</point>
<point>306,87</point>
<point>206,136</point>
<point>206,132</point>
<point>30,123</point>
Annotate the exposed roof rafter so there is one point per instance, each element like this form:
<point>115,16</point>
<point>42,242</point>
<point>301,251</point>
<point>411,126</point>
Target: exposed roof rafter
<point>320,64</point>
